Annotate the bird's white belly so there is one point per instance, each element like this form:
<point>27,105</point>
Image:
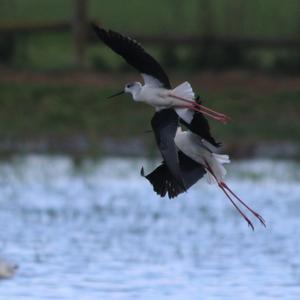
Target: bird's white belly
<point>185,142</point>
<point>188,144</point>
<point>156,97</point>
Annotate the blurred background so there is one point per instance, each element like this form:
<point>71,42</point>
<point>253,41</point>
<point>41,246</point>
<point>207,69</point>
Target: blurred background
<point>75,214</point>
<point>242,57</point>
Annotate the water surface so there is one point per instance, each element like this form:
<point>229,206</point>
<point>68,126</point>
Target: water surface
<point>97,231</point>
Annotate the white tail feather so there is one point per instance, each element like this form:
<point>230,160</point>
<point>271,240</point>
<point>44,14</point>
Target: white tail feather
<point>216,162</point>
<point>222,158</point>
<point>185,90</point>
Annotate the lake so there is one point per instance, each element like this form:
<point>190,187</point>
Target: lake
<point>96,230</point>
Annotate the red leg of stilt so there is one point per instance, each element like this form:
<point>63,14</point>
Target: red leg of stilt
<point>237,208</point>
<point>257,215</point>
<point>203,109</point>
<point>228,196</point>
<point>218,118</point>
<point>197,104</point>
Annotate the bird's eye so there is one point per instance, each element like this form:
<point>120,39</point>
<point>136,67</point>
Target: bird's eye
<point>129,85</point>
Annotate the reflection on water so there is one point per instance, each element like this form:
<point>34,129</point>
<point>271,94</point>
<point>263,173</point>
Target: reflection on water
<point>97,231</point>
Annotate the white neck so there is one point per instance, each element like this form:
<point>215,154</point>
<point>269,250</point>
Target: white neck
<point>136,93</point>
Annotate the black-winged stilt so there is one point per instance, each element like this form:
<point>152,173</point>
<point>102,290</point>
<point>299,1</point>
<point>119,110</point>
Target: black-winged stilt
<point>196,158</point>
<point>157,89</point>
<point>187,155</point>
<point>157,92</point>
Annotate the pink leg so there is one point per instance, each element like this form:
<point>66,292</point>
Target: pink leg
<point>224,186</point>
<point>258,216</point>
<point>237,208</point>
<point>203,109</point>
<point>218,118</point>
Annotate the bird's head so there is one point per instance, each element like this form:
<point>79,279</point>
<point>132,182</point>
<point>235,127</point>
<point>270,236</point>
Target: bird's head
<point>132,88</point>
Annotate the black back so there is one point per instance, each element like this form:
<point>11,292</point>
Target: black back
<point>164,124</point>
<point>133,53</point>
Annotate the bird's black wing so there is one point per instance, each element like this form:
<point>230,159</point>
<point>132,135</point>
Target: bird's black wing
<point>164,124</point>
<point>199,125</point>
<point>134,54</point>
<point>164,183</point>
<point>191,170</point>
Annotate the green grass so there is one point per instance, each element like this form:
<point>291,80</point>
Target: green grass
<point>35,111</point>
<point>259,118</point>
<point>49,52</point>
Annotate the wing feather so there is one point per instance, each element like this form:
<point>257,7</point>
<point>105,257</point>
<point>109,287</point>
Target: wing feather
<point>134,55</point>
<point>163,181</point>
<point>164,124</point>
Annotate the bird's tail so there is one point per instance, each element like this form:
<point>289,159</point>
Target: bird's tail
<point>186,95</point>
<point>216,162</point>
<point>184,90</point>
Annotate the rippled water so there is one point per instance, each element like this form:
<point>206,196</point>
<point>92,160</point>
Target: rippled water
<point>97,231</point>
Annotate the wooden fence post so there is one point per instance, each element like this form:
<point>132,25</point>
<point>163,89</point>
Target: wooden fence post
<point>79,32</point>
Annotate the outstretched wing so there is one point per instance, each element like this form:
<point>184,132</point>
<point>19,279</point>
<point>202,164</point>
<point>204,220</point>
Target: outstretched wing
<point>164,183</point>
<point>135,55</point>
<point>164,124</point>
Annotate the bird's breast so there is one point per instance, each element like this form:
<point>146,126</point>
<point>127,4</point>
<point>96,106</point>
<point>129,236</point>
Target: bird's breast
<point>156,97</point>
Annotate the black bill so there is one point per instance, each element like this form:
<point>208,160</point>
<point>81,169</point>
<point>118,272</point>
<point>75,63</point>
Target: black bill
<point>115,95</point>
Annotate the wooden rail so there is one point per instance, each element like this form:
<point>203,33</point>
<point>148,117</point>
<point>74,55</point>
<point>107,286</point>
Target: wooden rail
<point>157,39</point>
<point>34,27</point>
<point>196,40</point>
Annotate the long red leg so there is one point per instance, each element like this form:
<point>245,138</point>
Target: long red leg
<point>203,108</point>
<point>257,215</point>
<point>196,104</point>
<point>228,196</point>
<point>237,208</point>
<point>218,118</point>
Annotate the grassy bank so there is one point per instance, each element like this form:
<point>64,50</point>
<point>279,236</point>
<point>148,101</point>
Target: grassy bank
<point>33,112</point>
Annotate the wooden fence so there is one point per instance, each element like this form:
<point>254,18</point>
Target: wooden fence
<point>82,36</point>
<point>23,28</point>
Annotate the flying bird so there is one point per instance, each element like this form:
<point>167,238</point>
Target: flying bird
<point>196,159</point>
<point>187,155</point>
<point>156,90</point>
<point>158,93</point>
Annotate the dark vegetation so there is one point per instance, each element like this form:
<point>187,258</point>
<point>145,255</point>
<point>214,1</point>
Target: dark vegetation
<point>35,110</point>
<point>231,21</point>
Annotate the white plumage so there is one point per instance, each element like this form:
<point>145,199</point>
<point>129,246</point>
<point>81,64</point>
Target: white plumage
<point>197,154</point>
<point>200,151</point>
<point>160,98</point>
<point>185,90</point>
